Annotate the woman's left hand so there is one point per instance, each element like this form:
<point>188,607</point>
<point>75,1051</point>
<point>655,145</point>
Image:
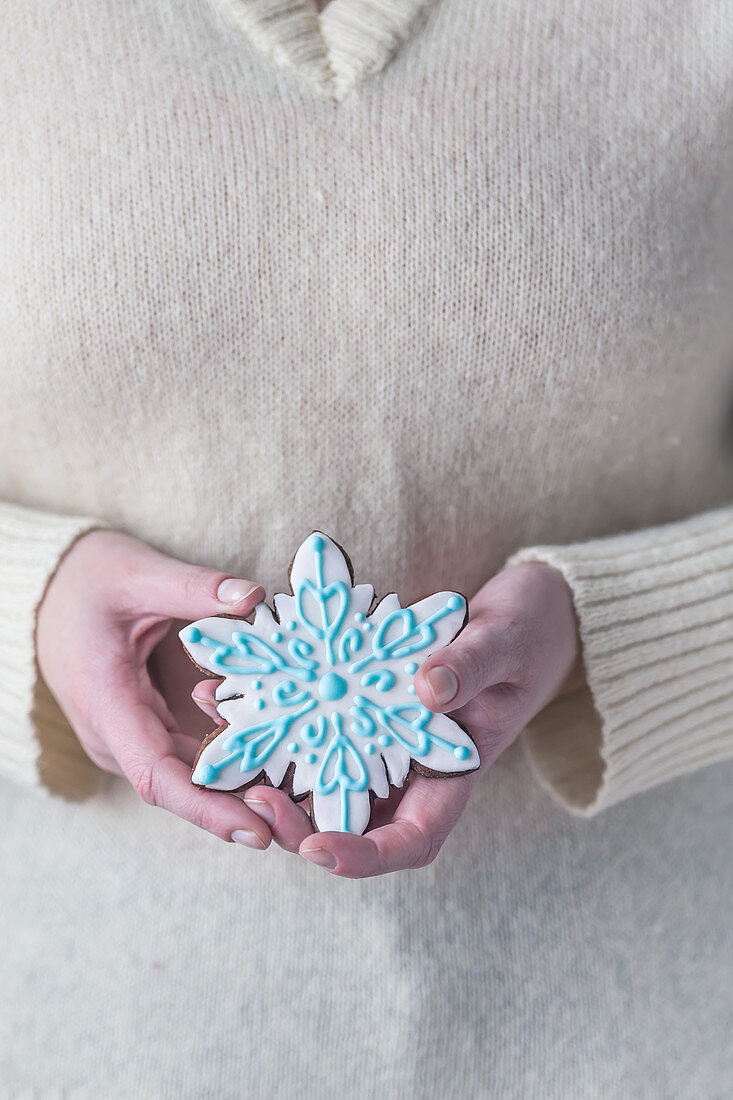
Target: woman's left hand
<point>519,650</point>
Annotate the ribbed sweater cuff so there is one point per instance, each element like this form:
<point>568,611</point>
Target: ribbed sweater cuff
<point>655,609</point>
<point>37,746</point>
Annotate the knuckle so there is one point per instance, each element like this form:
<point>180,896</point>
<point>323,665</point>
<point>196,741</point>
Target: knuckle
<point>201,819</point>
<point>144,778</point>
<point>426,848</point>
<point>432,847</point>
<point>520,634</point>
<point>497,707</point>
<point>495,727</point>
<point>194,582</point>
<point>493,742</point>
<point>470,666</point>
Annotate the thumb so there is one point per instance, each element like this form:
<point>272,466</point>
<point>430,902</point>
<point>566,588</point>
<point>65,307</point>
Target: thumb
<point>176,589</point>
<point>480,657</point>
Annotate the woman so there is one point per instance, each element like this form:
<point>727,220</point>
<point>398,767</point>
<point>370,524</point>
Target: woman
<point>451,282</point>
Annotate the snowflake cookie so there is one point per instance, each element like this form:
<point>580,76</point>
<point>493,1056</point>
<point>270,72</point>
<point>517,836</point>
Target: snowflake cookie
<point>320,697</point>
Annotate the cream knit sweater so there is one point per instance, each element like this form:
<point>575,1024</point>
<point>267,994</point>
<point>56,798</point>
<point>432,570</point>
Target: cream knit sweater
<point>452,281</point>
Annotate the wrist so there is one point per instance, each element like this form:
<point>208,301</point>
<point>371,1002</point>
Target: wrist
<point>51,607</point>
<point>575,677</point>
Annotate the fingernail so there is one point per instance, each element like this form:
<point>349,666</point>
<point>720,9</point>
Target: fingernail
<point>249,838</point>
<point>321,857</point>
<point>443,683</point>
<point>232,591</point>
<point>262,809</point>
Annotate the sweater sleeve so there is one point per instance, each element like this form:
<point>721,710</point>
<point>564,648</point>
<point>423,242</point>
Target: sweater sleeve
<point>655,610</point>
<point>37,746</point>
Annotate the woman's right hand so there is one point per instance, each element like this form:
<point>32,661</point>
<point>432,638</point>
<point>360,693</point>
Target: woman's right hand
<point>110,602</point>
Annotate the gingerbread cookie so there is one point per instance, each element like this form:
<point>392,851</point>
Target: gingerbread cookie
<point>320,694</point>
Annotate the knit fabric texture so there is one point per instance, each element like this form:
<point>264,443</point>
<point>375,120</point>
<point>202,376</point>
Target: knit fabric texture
<point>450,280</point>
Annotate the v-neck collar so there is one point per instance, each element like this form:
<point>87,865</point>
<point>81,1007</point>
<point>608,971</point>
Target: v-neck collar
<point>334,49</point>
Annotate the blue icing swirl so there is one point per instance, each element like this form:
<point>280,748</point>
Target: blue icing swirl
<point>383,680</point>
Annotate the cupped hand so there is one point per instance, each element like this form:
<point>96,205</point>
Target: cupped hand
<point>110,602</point>
<point>519,650</point>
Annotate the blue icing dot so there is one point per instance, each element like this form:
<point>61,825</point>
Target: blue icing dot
<point>359,616</point>
<point>256,685</point>
<point>293,747</point>
<point>193,635</point>
<point>411,668</point>
<point>292,625</point>
<point>461,752</point>
<point>277,637</point>
<point>411,689</point>
<point>369,749</point>
<point>369,626</point>
<point>317,542</point>
<point>259,704</point>
<point>384,739</point>
<point>206,774</point>
<point>311,758</point>
<point>454,603</point>
<point>332,686</point>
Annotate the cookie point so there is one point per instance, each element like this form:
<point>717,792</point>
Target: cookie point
<point>317,542</point>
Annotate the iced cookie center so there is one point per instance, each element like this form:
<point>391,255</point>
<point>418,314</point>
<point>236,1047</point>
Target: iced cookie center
<point>332,686</point>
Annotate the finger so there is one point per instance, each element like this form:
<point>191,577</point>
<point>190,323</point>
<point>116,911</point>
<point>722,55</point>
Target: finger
<point>99,756</point>
<point>160,707</point>
<point>181,591</point>
<point>427,813</point>
<point>288,822</point>
<point>485,653</point>
<point>186,747</point>
<point>147,756</point>
<point>204,696</point>
<point>384,809</point>
<point>94,746</point>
